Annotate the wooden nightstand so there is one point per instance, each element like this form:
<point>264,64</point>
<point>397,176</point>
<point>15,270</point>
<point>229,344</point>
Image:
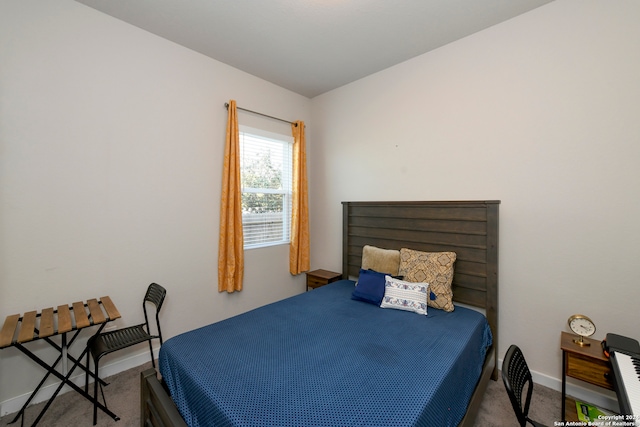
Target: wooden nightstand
<point>317,278</point>
<point>588,364</point>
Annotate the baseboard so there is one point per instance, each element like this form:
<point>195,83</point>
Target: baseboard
<point>596,396</point>
<point>14,404</point>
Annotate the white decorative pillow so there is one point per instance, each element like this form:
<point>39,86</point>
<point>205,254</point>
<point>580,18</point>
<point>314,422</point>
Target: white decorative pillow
<point>401,295</point>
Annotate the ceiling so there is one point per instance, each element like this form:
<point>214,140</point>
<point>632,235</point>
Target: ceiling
<point>313,46</point>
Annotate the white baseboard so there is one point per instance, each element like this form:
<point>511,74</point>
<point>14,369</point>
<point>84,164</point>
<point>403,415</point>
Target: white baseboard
<point>592,396</point>
<point>14,404</point>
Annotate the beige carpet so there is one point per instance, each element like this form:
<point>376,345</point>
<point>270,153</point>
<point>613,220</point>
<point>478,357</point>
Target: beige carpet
<point>123,398</point>
<point>71,409</point>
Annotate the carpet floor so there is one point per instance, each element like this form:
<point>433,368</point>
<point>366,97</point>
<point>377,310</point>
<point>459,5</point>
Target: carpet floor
<point>123,398</point>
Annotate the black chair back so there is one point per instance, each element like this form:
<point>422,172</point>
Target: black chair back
<point>516,375</point>
<point>155,295</point>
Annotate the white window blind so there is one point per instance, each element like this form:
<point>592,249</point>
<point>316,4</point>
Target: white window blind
<point>266,170</point>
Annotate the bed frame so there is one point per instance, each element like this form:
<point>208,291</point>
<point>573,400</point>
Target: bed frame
<point>468,228</point>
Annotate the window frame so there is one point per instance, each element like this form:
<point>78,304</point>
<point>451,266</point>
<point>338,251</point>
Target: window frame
<point>287,182</point>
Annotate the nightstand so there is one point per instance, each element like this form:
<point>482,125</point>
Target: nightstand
<point>317,278</point>
<point>588,364</point>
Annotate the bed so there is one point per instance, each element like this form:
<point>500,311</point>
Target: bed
<point>323,359</point>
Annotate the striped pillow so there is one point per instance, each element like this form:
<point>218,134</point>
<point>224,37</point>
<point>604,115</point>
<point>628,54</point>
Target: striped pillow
<point>401,295</point>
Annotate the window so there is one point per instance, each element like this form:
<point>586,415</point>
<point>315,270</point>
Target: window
<point>265,173</point>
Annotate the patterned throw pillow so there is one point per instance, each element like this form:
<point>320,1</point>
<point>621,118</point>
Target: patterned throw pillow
<point>403,295</point>
<point>435,268</point>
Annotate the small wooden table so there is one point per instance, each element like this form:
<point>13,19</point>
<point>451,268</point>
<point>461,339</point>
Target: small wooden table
<point>317,278</point>
<point>588,364</point>
<point>49,322</point>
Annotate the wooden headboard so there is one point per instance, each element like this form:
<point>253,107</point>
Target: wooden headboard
<point>468,228</point>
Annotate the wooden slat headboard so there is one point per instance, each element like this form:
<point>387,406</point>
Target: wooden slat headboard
<point>468,228</point>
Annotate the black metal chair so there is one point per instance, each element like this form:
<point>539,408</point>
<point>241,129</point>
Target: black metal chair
<point>515,375</point>
<point>108,342</point>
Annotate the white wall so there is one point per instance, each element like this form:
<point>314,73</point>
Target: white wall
<point>111,144</point>
<point>541,112</point>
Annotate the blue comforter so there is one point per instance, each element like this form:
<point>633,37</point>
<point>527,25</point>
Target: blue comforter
<point>322,359</point>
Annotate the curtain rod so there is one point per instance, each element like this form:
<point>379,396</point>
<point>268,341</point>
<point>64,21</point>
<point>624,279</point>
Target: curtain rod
<point>226,105</point>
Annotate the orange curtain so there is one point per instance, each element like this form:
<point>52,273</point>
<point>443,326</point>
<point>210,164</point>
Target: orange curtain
<point>299,248</point>
<point>230,246</point>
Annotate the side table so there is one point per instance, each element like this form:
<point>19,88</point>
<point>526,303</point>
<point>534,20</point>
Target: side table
<point>317,278</point>
<point>587,364</point>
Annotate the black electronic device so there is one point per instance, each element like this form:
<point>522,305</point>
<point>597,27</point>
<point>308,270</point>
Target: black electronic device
<point>615,342</point>
<point>624,353</point>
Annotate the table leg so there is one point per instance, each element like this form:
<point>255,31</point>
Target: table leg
<point>33,394</point>
<point>48,368</point>
<point>65,351</point>
<point>64,380</point>
<point>564,384</point>
<point>64,377</point>
<point>64,355</point>
<point>71,358</point>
